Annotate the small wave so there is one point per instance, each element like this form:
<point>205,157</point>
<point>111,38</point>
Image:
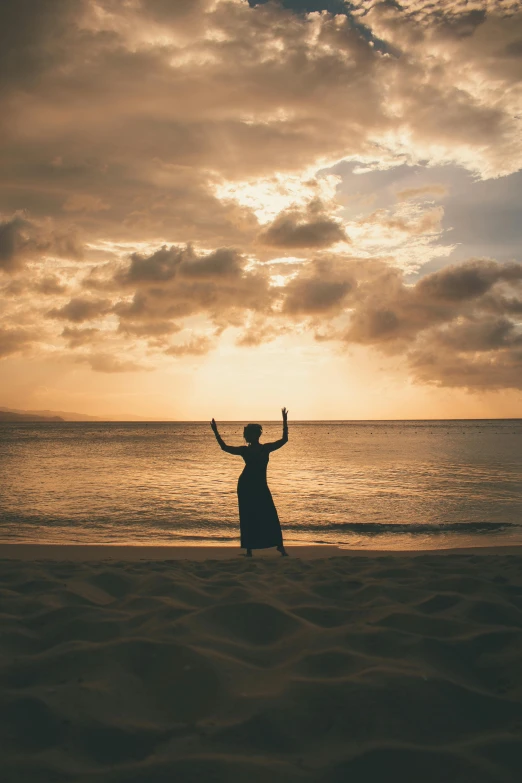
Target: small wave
<point>378,528</point>
<point>371,529</point>
<point>187,537</point>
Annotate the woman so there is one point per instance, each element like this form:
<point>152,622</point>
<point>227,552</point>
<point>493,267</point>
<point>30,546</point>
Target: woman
<point>258,520</point>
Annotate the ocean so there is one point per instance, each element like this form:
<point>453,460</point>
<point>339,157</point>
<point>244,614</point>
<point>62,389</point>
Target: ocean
<point>361,484</point>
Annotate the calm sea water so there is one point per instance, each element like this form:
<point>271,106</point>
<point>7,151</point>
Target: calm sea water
<point>372,485</point>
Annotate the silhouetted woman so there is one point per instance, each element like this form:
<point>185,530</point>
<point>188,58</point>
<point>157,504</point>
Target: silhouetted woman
<point>258,520</point>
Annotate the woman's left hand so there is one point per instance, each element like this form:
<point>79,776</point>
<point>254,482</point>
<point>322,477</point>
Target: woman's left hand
<point>285,414</point>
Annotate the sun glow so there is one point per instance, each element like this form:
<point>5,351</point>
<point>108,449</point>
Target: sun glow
<point>268,196</point>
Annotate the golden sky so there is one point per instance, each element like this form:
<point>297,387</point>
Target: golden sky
<point>217,208</point>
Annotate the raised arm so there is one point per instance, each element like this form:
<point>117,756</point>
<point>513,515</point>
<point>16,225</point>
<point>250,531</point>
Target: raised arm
<point>229,449</point>
<point>278,443</point>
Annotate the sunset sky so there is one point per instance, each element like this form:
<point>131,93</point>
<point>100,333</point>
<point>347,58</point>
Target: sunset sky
<point>217,208</point>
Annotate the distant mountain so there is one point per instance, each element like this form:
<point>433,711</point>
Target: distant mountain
<point>12,416</point>
<point>45,415</point>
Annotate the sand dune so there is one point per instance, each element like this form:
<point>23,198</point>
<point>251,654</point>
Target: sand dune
<point>353,668</point>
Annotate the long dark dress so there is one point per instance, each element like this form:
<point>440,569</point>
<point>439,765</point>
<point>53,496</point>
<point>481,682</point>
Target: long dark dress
<point>258,520</point>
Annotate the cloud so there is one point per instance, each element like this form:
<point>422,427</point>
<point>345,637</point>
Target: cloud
<point>261,331</point>
<point>321,288</point>
<point>34,38</point>
<point>467,281</point>
<point>424,222</point>
<point>478,372</point>
<point>169,262</point>
<point>387,311</point>
<point>106,362</point>
<point>164,100</point>
<point>484,334</point>
<point>152,329</point>
<point>187,143</point>
<point>315,296</point>
<point>11,243</point>
<point>176,282</point>
<point>433,190</point>
<point>83,202</point>
<point>464,316</point>
<point>80,309</point>
<point>196,346</point>
<point>15,340</point>
<point>21,240</point>
<point>311,228</point>
<point>452,321</point>
<point>159,267</point>
<point>287,232</point>
<point>50,285</point>
<point>222,264</point>
<point>183,16</point>
<point>78,337</point>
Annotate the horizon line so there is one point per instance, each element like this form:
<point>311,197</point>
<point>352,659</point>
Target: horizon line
<point>103,420</point>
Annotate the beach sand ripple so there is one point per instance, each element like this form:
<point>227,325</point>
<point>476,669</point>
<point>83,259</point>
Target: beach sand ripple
<point>398,667</point>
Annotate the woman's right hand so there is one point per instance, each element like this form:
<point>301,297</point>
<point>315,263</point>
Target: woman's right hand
<point>285,414</point>
<point>214,426</point>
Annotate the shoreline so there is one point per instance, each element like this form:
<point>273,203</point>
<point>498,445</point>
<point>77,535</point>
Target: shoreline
<point>153,553</point>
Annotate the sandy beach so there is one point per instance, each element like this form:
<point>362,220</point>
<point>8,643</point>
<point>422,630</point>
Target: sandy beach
<point>157,664</point>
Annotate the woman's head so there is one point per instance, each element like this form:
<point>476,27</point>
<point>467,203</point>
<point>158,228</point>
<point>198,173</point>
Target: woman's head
<point>252,433</point>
